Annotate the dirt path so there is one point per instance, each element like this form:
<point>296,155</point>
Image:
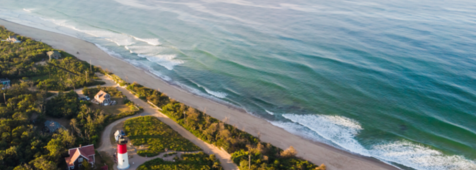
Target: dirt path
<point>315,152</point>
<point>136,161</point>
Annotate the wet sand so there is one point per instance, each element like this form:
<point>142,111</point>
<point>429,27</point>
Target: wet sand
<point>315,152</point>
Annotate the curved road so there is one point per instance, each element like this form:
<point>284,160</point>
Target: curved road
<point>107,147</point>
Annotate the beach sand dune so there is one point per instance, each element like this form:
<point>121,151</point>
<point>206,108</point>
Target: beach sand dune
<point>315,152</point>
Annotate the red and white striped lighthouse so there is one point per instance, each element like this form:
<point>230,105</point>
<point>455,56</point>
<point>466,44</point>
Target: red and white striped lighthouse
<point>122,157</point>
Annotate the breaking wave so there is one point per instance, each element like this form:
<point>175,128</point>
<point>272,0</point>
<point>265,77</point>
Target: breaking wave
<point>143,47</point>
<point>29,10</point>
<point>338,129</point>
<point>216,93</point>
<point>168,60</point>
<point>110,52</point>
<point>151,41</point>
<point>342,131</point>
<point>271,113</point>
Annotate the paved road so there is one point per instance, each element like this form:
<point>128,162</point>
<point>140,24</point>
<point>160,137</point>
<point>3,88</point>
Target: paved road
<point>106,146</point>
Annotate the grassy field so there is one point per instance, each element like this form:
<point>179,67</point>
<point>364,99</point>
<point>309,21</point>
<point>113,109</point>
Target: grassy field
<point>156,136</point>
<point>198,161</point>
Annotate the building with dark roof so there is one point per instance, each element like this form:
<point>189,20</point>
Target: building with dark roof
<point>103,97</point>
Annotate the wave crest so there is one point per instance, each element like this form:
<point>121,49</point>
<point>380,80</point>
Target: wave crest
<point>420,157</point>
<point>338,129</point>
<point>342,131</point>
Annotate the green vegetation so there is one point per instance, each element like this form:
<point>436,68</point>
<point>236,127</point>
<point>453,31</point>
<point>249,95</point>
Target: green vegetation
<point>64,105</point>
<point>156,135</point>
<point>198,161</point>
<point>29,59</point>
<point>123,108</point>
<point>235,141</point>
<point>154,96</point>
<point>91,92</point>
<point>24,143</point>
<point>116,79</point>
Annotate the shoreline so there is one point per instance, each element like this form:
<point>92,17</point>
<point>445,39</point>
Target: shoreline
<point>312,151</point>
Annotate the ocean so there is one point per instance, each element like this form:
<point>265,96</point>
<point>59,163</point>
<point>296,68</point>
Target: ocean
<point>393,80</point>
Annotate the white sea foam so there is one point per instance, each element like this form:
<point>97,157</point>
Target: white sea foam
<point>147,49</point>
<point>166,61</point>
<point>299,130</point>
<point>150,41</point>
<point>338,129</point>
<point>342,131</point>
<point>144,49</point>
<point>29,10</point>
<point>110,52</point>
<point>271,113</point>
<point>162,76</point>
<point>133,62</point>
<point>420,157</point>
<point>218,94</point>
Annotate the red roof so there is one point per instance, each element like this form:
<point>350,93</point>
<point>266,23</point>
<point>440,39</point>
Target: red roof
<point>86,151</point>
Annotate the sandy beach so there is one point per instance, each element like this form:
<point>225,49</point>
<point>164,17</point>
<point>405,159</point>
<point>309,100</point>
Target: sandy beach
<point>315,152</point>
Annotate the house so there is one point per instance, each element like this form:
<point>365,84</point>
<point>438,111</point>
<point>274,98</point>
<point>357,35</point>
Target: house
<point>102,97</point>
<point>13,39</point>
<point>80,154</point>
<point>53,54</point>
<point>5,82</point>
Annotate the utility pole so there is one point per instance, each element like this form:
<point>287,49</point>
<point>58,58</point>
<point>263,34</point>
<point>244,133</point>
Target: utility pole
<point>249,161</point>
<point>90,66</point>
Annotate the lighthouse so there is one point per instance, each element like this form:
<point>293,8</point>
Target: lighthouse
<point>122,157</point>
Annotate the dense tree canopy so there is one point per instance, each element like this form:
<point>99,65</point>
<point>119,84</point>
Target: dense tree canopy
<point>24,142</point>
<point>29,59</point>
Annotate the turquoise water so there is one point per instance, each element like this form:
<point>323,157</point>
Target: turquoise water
<point>393,80</point>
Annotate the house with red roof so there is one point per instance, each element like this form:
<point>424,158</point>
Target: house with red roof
<point>80,154</point>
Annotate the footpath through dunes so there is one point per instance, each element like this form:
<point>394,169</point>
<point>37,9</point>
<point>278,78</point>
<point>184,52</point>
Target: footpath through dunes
<point>317,153</point>
<point>108,148</point>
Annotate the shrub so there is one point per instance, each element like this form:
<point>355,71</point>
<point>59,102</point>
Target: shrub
<point>288,153</point>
